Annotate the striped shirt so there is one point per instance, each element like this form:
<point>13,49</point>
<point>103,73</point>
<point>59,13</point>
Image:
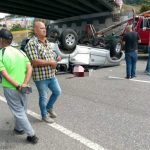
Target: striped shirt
<point>38,50</point>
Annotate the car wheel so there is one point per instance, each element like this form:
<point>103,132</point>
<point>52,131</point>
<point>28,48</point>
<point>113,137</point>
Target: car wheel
<point>68,39</point>
<point>62,68</point>
<point>118,48</point>
<point>115,49</point>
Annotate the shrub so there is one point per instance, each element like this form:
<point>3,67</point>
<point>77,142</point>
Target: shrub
<point>16,27</point>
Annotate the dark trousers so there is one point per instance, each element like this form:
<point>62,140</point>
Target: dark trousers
<point>148,61</point>
<point>131,59</point>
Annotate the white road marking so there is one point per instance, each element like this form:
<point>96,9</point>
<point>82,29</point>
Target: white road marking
<point>135,80</point>
<point>73,135</point>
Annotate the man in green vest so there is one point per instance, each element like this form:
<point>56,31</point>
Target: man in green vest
<point>16,72</point>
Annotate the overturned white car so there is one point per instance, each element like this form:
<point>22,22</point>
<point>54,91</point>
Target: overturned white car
<point>103,51</point>
<point>86,56</point>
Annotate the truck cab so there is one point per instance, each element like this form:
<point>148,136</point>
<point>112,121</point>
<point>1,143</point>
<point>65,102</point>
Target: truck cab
<point>141,24</point>
<point>143,28</point>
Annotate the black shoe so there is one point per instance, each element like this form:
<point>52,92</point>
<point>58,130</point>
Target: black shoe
<point>128,77</point>
<point>133,76</point>
<point>32,139</point>
<point>19,132</point>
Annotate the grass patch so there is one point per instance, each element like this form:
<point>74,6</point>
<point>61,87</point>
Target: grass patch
<point>18,36</point>
<point>22,31</point>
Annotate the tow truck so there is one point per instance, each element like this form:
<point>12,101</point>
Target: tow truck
<point>140,24</point>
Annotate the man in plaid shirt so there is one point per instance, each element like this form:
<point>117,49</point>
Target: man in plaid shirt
<point>41,55</point>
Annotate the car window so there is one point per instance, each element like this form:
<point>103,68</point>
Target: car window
<point>146,23</point>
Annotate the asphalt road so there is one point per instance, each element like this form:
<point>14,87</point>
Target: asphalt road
<point>100,112</point>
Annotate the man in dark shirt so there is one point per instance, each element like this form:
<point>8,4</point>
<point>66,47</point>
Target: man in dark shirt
<point>130,40</point>
<point>147,70</point>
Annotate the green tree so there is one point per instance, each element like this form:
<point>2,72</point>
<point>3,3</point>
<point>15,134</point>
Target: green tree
<point>145,8</point>
<point>136,1</point>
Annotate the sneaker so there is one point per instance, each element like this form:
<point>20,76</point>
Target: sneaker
<point>32,139</point>
<point>21,132</point>
<point>47,119</point>
<point>148,73</point>
<point>52,113</point>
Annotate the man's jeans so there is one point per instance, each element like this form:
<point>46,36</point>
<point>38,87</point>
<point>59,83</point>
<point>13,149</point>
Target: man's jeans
<point>131,59</point>
<point>148,61</point>
<point>43,86</point>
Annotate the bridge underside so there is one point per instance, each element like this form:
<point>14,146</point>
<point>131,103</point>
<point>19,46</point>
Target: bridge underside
<point>55,9</point>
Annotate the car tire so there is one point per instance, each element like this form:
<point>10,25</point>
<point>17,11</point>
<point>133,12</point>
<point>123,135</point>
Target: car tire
<point>68,39</point>
<point>62,68</point>
<point>115,49</point>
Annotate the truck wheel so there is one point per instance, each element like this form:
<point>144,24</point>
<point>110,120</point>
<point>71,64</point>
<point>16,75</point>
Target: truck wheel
<point>68,39</point>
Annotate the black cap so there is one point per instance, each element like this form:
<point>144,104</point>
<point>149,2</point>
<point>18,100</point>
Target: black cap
<point>6,34</point>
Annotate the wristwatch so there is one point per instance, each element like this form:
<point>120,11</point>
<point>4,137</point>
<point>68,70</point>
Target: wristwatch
<point>18,87</point>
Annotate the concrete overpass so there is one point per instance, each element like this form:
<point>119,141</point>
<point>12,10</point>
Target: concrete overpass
<point>55,9</point>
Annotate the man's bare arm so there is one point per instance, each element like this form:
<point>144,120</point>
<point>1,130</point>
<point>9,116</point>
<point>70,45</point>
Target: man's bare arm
<point>28,74</point>
<point>41,62</point>
<point>139,41</point>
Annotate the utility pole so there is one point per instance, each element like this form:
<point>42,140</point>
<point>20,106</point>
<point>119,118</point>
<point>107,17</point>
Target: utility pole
<point>5,21</point>
<point>26,26</point>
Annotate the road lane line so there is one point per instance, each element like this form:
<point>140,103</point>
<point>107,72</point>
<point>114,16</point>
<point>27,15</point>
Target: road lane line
<point>135,80</point>
<point>73,135</point>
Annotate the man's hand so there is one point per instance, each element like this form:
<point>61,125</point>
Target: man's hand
<point>19,87</point>
<point>59,58</point>
<point>53,64</point>
<point>24,85</point>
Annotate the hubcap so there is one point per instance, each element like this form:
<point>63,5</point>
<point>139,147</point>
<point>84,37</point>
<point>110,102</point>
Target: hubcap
<point>70,39</point>
<point>118,47</point>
